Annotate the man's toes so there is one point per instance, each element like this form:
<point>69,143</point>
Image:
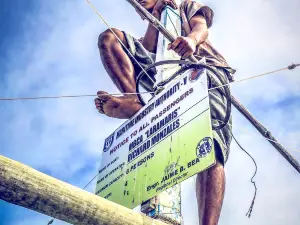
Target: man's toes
<point>100,110</point>
<point>99,105</point>
<point>97,101</point>
<point>103,96</point>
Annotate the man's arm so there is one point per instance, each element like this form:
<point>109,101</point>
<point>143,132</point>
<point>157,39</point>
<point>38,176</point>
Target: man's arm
<point>151,37</point>
<point>186,46</point>
<point>199,29</point>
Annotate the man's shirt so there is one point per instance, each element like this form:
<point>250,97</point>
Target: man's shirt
<point>190,8</point>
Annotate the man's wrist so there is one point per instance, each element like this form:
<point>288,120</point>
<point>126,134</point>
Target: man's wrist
<point>194,40</point>
<point>156,14</point>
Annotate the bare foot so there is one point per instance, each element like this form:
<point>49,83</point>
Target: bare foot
<point>123,107</point>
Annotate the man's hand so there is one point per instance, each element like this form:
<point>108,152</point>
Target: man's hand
<point>161,4</point>
<point>184,46</point>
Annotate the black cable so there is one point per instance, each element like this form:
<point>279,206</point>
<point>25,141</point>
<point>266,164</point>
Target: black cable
<point>50,222</point>
<point>188,65</point>
<point>252,181</point>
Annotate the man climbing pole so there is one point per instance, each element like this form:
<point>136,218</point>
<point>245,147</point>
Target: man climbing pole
<point>123,70</point>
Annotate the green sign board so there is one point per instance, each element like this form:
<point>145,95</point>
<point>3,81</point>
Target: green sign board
<point>166,142</point>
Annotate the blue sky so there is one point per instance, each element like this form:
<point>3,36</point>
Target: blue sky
<point>50,48</point>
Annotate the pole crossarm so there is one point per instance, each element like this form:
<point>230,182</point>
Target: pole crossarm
<point>26,187</point>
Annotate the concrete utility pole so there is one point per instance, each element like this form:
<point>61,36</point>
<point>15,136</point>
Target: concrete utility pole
<point>26,187</point>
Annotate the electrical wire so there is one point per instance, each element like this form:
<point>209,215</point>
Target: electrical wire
<point>252,181</point>
<point>293,66</point>
<point>72,96</point>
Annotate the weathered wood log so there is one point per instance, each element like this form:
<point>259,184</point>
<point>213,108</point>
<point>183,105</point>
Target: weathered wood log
<point>26,187</point>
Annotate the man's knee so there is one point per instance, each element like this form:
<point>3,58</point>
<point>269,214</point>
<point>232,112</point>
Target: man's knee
<point>108,38</point>
<point>218,168</point>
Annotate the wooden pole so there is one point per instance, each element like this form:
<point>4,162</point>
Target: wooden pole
<point>26,187</point>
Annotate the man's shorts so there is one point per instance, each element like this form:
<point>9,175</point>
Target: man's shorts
<point>222,138</point>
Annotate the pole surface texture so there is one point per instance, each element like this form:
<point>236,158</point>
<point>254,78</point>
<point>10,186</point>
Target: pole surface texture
<point>26,187</point>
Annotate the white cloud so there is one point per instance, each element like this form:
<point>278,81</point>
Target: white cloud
<point>257,37</point>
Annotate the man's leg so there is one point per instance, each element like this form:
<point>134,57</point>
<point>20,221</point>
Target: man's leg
<point>121,70</point>
<point>210,187</point>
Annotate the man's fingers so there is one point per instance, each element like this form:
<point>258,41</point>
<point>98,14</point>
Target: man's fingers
<point>100,110</point>
<point>169,46</point>
<point>99,103</point>
<point>175,43</point>
<point>170,3</point>
<point>179,48</point>
<point>187,54</point>
<point>182,51</point>
<point>174,4</point>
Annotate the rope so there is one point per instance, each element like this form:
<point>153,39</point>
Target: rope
<point>116,36</point>
<point>291,67</point>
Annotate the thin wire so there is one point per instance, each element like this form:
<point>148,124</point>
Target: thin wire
<point>291,67</point>
<point>90,181</point>
<point>110,28</point>
<point>252,181</point>
<point>172,23</point>
<point>72,96</point>
<point>255,172</point>
<point>120,94</point>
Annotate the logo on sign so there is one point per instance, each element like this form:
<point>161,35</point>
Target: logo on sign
<point>204,147</point>
<point>196,74</point>
<point>108,142</point>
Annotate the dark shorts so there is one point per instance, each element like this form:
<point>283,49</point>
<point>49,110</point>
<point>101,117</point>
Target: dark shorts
<point>222,138</point>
